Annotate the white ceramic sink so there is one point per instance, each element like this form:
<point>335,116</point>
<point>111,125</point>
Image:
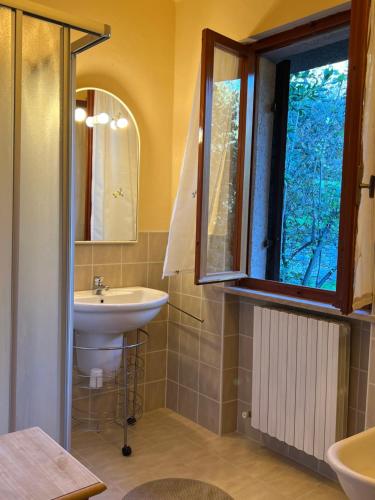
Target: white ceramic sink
<point>101,321</point>
<point>117,310</point>
<point>353,460</point>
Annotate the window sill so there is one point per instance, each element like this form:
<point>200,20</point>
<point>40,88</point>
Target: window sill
<point>303,304</point>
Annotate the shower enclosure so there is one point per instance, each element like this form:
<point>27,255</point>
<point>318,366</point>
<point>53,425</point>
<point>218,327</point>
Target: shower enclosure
<point>37,67</point>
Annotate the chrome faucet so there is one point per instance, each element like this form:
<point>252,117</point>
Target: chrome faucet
<point>99,286</point>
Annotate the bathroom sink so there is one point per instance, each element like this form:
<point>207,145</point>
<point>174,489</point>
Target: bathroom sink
<point>353,461</point>
<point>117,310</point>
<point>100,321</point>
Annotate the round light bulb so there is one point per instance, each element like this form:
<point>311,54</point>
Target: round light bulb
<point>80,115</point>
<point>103,118</point>
<point>122,123</point>
<point>90,121</point>
<point>113,125</point>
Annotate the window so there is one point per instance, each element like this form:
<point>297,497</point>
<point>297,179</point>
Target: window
<point>278,157</point>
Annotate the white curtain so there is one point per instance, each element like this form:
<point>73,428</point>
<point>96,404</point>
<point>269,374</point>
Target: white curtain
<point>115,162</point>
<point>365,241</point>
<point>180,252</point>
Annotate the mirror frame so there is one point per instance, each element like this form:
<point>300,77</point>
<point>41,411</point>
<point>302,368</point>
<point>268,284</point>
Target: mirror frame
<point>107,242</point>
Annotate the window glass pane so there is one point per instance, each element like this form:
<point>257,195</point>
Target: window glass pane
<point>312,181</point>
<point>297,163</point>
<point>223,161</point>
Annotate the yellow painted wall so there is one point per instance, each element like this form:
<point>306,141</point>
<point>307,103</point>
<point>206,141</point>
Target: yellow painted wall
<point>237,19</point>
<point>151,63</point>
<point>137,65</point>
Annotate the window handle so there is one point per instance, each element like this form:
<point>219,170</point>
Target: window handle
<point>370,186</point>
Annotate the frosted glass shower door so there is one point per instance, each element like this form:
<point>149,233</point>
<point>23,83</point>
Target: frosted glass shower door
<point>6,204</point>
<point>39,273</point>
<point>37,72</point>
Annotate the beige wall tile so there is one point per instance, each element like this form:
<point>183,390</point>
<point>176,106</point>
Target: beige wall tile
<point>372,370</point>
<point>244,385</point>
<point>136,252</point>
<point>230,355</point>
<point>229,417</point>
<point>83,255</point>
<point>174,314</point>
<point>111,274</point>
<point>189,341</point>
<point>361,419</point>
<point>353,387</point>
<point>362,391</point>
<point>172,366</point>
<point>231,317</point>
<point>352,422</point>
<point>157,340</point>
<point>370,417</point>
<point>244,424</point>
<point>175,283</point>
<point>83,278</point>
<point>188,287</point>
<point>210,349</point>
<point>154,395</point>
<point>188,372</point>
<point>230,384</point>
<point>213,292</point>
<point>157,244</point>
<point>172,396</point>
<point>212,314</point>
<point>246,319</point>
<point>355,345</point>
<point>208,413</point>
<point>134,274</point>
<point>245,358</point>
<point>156,366</point>
<point>209,381</point>
<point>191,305</point>
<point>155,280</point>
<point>187,403</point>
<point>174,337</point>
<point>106,254</point>
<point>365,350</point>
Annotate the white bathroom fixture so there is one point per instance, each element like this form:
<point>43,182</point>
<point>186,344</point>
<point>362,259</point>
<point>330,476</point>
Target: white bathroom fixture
<point>353,461</point>
<point>300,379</point>
<point>101,320</point>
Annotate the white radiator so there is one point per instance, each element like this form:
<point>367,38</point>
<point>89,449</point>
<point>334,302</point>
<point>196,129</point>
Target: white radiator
<point>300,379</point>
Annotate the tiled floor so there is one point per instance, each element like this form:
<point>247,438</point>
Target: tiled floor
<point>167,445</point>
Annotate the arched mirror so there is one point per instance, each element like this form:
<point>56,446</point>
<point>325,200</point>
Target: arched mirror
<point>107,168</point>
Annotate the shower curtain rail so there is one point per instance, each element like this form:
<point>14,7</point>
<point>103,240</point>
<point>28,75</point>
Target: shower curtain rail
<point>98,30</point>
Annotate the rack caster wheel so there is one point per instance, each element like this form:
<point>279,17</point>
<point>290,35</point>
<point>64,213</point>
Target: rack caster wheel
<point>126,451</point>
<point>132,420</point>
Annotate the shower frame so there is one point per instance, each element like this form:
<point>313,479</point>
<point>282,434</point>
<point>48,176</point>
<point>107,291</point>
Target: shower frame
<point>93,34</point>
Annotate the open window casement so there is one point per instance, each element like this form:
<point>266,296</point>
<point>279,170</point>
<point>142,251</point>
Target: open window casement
<point>250,95</point>
<point>227,83</point>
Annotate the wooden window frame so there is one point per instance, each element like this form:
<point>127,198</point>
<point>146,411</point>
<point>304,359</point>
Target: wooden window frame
<point>357,18</point>
<point>210,40</point>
